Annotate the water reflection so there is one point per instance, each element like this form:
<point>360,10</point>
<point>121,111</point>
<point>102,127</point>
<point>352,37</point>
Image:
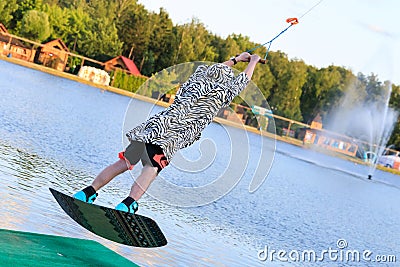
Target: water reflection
<point>28,206</point>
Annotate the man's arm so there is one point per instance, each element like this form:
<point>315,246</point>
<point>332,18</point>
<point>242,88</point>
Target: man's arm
<point>254,59</point>
<point>243,57</point>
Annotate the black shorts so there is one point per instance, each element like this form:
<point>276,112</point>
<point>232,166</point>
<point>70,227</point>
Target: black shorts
<point>148,154</point>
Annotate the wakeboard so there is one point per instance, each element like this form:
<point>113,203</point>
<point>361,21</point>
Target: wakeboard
<point>118,226</point>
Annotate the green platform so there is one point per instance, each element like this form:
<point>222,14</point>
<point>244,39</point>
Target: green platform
<point>29,249</point>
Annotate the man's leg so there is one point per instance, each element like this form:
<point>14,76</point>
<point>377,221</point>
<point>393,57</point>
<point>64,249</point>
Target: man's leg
<point>153,160</point>
<point>138,188</point>
<point>89,194</point>
<point>109,173</point>
<point>143,181</point>
<point>128,159</point>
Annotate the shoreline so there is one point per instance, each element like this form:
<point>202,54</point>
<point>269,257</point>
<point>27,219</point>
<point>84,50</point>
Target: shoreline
<point>115,90</point>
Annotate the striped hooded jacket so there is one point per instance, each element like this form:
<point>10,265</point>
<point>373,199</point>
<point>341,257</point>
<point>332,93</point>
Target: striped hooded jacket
<point>197,102</point>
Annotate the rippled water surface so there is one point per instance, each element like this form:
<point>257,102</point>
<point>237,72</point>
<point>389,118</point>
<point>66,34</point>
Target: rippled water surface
<point>59,133</point>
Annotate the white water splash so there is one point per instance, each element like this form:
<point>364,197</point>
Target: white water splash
<point>369,122</point>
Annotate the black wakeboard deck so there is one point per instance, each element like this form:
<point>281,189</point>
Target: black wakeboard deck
<point>118,226</point>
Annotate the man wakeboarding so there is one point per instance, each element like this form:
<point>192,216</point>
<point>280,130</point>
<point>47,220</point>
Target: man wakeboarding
<point>155,141</point>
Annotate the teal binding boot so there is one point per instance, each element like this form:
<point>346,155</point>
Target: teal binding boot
<point>128,205</point>
<point>87,195</point>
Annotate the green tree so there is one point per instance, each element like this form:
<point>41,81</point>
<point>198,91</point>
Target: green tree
<point>263,79</point>
<point>101,9</point>
<point>23,7</point>
<point>7,8</point>
<point>162,42</point>
<point>395,97</point>
<point>59,21</point>
<point>395,104</point>
<point>79,26</point>
<point>225,48</point>
<point>194,43</point>
<point>290,77</point>
<point>134,31</point>
<point>35,25</point>
<point>245,44</point>
<point>323,90</point>
<point>51,2</point>
<point>376,91</point>
<point>123,8</point>
<point>309,101</point>
<point>73,4</point>
<point>102,42</point>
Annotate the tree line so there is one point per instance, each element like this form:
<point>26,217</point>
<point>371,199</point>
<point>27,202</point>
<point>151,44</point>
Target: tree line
<point>103,29</point>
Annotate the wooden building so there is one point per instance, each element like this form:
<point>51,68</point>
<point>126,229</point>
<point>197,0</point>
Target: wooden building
<point>327,140</point>
<point>124,63</point>
<point>334,142</point>
<point>3,28</point>
<point>12,47</point>
<point>53,54</point>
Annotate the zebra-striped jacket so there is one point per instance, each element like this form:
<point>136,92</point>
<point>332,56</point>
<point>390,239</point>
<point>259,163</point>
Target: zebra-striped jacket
<point>198,100</point>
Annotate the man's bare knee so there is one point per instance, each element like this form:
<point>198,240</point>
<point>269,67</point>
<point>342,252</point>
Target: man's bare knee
<point>149,170</point>
<point>121,165</point>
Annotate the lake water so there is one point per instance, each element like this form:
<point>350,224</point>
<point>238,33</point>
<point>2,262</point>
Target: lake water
<point>59,133</point>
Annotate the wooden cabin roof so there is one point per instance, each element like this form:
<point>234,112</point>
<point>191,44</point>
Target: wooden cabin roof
<point>124,63</point>
<point>58,44</point>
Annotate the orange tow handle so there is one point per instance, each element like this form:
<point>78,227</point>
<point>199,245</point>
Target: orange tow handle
<point>292,21</point>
